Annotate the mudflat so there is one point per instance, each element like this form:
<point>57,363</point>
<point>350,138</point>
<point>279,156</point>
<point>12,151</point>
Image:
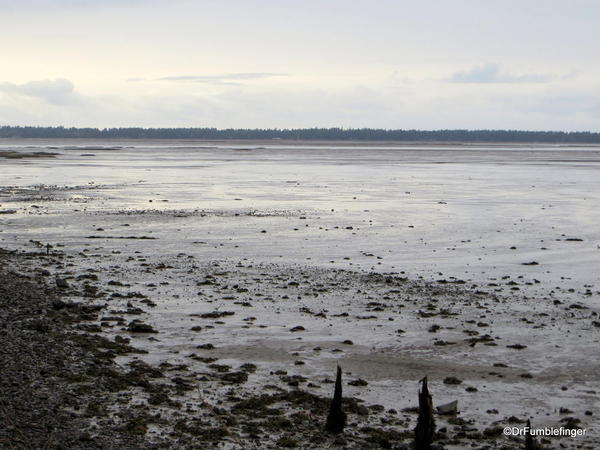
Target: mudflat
<point>220,290</point>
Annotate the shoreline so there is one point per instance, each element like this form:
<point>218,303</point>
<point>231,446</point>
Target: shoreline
<point>52,373</point>
<point>209,403</point>
<point>463,145</point>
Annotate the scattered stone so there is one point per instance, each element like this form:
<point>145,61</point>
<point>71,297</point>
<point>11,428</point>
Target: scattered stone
<point>62,283</point>
<point>358,382</point>
<point>216,314</point>
<point>517,346</point>
<point>235,377</point>
<point>448,408</point>
<point>207,346</point>
<point>137,326</point>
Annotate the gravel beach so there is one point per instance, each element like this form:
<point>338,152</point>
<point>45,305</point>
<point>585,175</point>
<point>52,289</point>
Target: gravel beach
<point>91,364</point>
<point>52,374</point>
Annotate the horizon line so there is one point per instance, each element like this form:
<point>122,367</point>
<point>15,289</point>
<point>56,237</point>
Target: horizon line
<point>313,128</point>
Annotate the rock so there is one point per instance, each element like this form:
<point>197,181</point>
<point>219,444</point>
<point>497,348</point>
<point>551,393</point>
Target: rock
<point>216,314</point>
<point>208,346</point>
<point>235,377</point>
<point>571,423</point>
<point>248,368</point>
<point>59,304</point>
<point>40,325</point>
<point>517,346</point>
<point>358,382</point>
<point>448,408</point>
<point>62,283</point>
<point>493,431</point>
<point>362,410</point>
<point>137,326</point>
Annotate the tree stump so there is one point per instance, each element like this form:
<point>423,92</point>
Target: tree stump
<point>336,420</point>
<point>530,443</point>
<point>425,423</point>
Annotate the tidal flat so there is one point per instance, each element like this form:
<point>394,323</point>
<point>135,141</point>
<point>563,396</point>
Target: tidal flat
<point>231,278</point>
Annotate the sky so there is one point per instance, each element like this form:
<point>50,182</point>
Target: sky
<point>425,64</point>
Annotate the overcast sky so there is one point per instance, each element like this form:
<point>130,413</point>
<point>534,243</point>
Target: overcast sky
<point>522,64</point>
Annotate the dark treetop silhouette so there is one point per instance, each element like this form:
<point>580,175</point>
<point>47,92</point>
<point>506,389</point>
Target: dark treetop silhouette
<point>326,134</point>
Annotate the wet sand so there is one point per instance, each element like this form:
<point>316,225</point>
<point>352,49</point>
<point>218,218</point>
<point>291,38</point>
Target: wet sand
<point>249,362</point>
<point>243,318</point>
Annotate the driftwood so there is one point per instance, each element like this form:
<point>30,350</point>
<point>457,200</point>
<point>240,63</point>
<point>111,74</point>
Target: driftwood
<point>336,420</point>
<point>425,423</point>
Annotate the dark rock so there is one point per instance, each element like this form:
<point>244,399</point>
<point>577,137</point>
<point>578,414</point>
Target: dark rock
<point>137,326</point>
<point>62,283</point>
<point>208,346</point>
<point>517,346</point>
<point>235,377</point>
<point>358,382</point>
<point>216,314</point>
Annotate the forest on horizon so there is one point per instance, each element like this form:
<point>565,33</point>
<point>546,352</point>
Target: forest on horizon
<point>317,134</point>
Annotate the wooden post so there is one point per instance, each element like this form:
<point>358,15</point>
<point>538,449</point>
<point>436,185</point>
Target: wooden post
<point>425,423</point>
<point>336,420</point>
<point>530,443</point>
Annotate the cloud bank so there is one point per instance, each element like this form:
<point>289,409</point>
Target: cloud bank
<point>228,76</point>
<point>57,92</point>
<point>491,73</point>
<point>58,102</point>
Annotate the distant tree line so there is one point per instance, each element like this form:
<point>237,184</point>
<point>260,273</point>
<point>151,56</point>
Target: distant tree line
<point>324,134</point>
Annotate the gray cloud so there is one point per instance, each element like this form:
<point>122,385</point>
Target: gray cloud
<point>26,4</point>
<point>227,79</point>
<point>491,73</point>
<point>58,92</point>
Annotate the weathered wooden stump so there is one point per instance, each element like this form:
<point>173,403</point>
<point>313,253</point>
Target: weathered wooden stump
<point>425,423</point>
<point>336,420</point>
<point>530,443</point>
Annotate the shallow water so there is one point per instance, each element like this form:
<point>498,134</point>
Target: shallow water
<point>423,209</point>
